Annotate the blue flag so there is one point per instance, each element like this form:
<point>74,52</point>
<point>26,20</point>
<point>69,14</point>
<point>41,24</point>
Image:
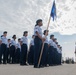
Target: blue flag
<point>53,11</point>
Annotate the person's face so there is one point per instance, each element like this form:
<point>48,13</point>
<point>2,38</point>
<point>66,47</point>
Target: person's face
<point>15,37</point>
<point>5,34</point>
<point>55,40</point>
<point>59,47</point>
<point>40,24</point>
<point>53,37</point>
<point>46,33</point>
<point>19,40</point>
<point>9,40</point>
<point>26,34</point>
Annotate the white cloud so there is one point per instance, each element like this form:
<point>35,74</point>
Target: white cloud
<point>19,15</point>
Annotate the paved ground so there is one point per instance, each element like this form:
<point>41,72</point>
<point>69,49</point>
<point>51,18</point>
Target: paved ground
<point>29,70</point>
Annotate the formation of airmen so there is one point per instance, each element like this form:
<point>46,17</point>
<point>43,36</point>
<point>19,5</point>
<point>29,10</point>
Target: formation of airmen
<point>17,53</point>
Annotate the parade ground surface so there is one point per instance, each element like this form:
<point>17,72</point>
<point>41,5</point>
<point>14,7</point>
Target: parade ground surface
<point>65,69</point>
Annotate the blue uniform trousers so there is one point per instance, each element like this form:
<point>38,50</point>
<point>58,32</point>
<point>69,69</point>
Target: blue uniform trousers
<point>3,52</point>
<point>23,54</point>
<point>12,54</point>
<point>31,55</point>
<point>37,50</point>
<point>44,55</point>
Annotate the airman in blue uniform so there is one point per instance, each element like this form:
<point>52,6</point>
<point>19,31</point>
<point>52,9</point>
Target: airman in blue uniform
<point>8,50</point>
<point>13,49</point>
<point>0,51</point>
<point>45,50</point>
<point>4,47</point>
<point>51,53</point>
<point>18,49</point>
<point>37,41</point>
<point>31,52</point>
<point>24,48</point>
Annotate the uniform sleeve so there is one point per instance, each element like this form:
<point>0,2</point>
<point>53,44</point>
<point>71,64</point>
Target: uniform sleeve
<point>22,39</point>
<point>10,42</point>
<point>17,45</point>
<point>55,45</point>
<point>58,50</point>
<point>27,42</point>
<point>44,37</point>
<point>36,29</point>
<point>49,42</point>
<point>31,42</point>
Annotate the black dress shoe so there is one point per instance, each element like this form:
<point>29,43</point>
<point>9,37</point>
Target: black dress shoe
<point>46,65</point>
<point>51,65</point>
<point>26,64</point>
<point>36,67</point>
<point>0,62</point>
<point>41,66</point>
<point>21,64</point>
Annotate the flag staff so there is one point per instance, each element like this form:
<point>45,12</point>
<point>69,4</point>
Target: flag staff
<point>53,15</point>
<point>43,43</point>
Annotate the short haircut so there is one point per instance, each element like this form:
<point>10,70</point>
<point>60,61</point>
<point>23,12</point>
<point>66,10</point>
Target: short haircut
<point>55,39</point>
<point>25,32</point>
<point>14,36</point>
<point>57,43</point>
<point>38,21</point>
<point>19,39</point>
<point>5,32</point>
<point>9,39</point>
<point>45,31</point>
<point>51,36</point>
